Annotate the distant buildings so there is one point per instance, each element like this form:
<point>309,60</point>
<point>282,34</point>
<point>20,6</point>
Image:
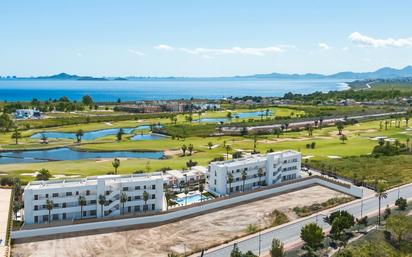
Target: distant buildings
<point>227,176</point>
<point>167,106</point>
<point>27,114</point>
<point>65,194</point>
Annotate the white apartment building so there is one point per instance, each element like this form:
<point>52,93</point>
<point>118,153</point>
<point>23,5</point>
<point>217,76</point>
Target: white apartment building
<point>273,168</point>
<point>65,197</point>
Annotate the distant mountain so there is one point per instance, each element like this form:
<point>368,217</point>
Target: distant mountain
<point>383,73</point>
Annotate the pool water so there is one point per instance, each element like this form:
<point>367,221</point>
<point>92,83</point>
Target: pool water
<point>147,137</point>
<point>194,198</point>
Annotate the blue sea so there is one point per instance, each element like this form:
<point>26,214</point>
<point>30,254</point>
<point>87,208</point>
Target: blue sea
<point>100,91</point>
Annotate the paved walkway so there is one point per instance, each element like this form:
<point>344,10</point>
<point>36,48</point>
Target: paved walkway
<point>289,233</point>
<point>5,195</point>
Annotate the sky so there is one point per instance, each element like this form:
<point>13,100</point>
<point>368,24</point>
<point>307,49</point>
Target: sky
<point>202,38</point>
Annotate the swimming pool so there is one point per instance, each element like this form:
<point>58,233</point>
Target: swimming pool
<point>194,198</point>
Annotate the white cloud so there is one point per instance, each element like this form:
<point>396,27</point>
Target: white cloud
<point>136,52</point>
<point>79,54</point>
<point>324,46</point>
<point>364,41</point>
<point>164,47</point>
<point>345,48</point>
<point>233,50</point>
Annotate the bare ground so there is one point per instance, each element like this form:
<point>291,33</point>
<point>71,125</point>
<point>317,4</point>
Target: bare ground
<point>193,233</point>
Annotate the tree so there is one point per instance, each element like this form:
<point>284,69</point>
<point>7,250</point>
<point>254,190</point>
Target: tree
<point>230,181</point>
<point>277,249</point>
<point>340,126</point>
<point>123,199</point>
<point>313,237</point>
<point>254,143</point>
<point>401,203</point>
<point>362,221</point>
<point>228,148</point>
<point>237,253</point>
<point>102,202</point>
<point>116,164</point>
<point>210,145</point>
<point>43,174</point>
<point>340,221</point>
<point>16,208</point>
<point>380,193</point>
<point>87,100</point>
<point>16,135</point>
<point>244,177</point>
<point>168,196</point>
<point>201,189</point>
<point>260,175</point>
<point>44,139</point>
<point>120,134</point>
<point>49,207</point>
<point>387,212</point>
<point>229,115</point>
<point>184,148</point>
<point>145,199</point>
<point>399,225</point>
<point>79,135</point>
<point>343,138</point>
<point>190,149</point>
<point>277,131</point>
<point>6,123</point>
<point>82,202</point>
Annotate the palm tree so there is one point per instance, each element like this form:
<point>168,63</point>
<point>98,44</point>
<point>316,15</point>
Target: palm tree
<point>230,181</point>
<point>184,148</point>
<point>228,148</point>
<point>49,207</point>
<point>145,199</point>
<point>201,189</point>
<point>406,121</point>
<point>82,202</point>
<point>120,134</point>
<point>190,148</point>
<point>343,138</point>
<point>16,135</point>
<point>168,196</point>
<point>116,164</point>
<point>209,145</point>
<point>260,175</point>
<point>123,199</point>
<point>244,177</point>
<point>186,192</point>
<point>380,193</point>
<point>102,202</point>
<point>79,135</point>
<point>254,143</point>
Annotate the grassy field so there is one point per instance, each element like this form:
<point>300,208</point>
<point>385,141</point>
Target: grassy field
<point>328,148</point>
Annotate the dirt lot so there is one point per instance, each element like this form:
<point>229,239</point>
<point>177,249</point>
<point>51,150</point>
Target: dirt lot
<point>192,234</point>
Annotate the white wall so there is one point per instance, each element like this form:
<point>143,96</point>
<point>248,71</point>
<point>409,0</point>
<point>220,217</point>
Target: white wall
<point>169,216</point>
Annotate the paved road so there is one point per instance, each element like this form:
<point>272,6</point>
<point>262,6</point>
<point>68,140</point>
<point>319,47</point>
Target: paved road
<point>310,122</point>
<point>290,232</point>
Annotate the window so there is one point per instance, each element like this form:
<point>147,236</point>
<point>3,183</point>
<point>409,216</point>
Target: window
<point>84,213</point>
<point>36,197</point>
<point>137,208</point>
<point>63,205</point>
<point>153,207</point>
<point>69,193</point>
<point>55,216</point>
<point>129,198</point>
<point>64,216</point>
<point>93,213</point>
<point>77,192</point>
<point>144,187</point>
<point>36,219</point>
<point>88,192</point>
<point>153,187</point>
<point>137,197</point>
<point>125,188</point>
<point>56,205</point>
<point>215,181</point>
<point>47,195</point>
<point>153,196</point>
<point>36,207</point>
<point>137,188</point>
<point>55,195</point>
<point>92,201</point>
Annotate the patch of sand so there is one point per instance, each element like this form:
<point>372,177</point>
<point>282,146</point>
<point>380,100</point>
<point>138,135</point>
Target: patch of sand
<point>34,174</point>
<point>334,157</point>
<point>193,233</point>
<point>172,152</point>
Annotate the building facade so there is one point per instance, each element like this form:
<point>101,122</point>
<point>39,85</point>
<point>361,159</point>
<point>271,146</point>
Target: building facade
<point>64,195</point>
<point>252,172</point>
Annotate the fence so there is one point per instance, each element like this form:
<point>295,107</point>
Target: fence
<point>189,211</point>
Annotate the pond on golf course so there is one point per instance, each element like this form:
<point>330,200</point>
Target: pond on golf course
<point>68,154</point>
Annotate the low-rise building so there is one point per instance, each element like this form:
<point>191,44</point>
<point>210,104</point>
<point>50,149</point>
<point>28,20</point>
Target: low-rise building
<point>61,197</point>
<point>27,114</point>
<point>252,172</point>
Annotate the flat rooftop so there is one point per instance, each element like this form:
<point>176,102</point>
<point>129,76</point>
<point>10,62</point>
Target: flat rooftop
<point>255,158</point>
<point>91,181</point>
